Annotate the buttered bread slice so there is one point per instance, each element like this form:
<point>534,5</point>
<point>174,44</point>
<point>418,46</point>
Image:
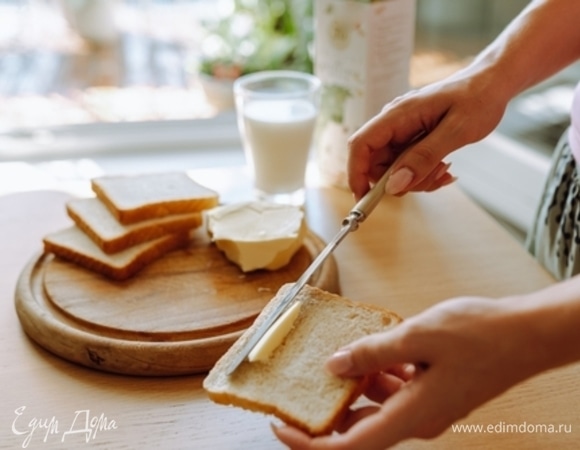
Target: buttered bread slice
<point>291,382</point>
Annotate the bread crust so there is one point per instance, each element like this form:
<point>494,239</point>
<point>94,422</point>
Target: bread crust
<point>71,243</point>
<point>92,217</point>
<point>134,198</point>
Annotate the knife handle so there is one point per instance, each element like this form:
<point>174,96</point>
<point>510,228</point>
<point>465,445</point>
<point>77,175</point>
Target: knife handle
<point>371,199</point>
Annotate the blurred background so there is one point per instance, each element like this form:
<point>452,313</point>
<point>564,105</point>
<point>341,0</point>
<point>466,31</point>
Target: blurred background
<point>81,61</point>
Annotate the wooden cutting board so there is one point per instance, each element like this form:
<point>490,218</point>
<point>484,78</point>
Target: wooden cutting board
<point>177,316</point>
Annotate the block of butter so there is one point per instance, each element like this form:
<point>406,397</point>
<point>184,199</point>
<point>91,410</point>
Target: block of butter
<point>257,235</point>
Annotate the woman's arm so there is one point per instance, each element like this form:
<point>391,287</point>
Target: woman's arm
<point>553,317</point>
<point>543,39</point>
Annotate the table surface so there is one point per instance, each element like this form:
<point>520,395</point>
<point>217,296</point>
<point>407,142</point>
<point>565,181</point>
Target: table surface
<point>411,253</point>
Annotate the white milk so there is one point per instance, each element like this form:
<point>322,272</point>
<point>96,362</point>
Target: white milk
<point>277,139</point>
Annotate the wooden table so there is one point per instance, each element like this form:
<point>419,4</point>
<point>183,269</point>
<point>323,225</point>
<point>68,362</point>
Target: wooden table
<point>410,254</point>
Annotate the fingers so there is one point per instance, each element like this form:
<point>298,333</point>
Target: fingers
<point>377,143</point>
<point>438,178</point>
<point>371,354</point>
<point>375,146</point>
<point>400,180</point>
<point>420,168</point>
<point>292,437</point>
<point>369,428</point>
<point>414,411</point>
<point>382,386</point>
<point>355,415</point>
<point>403,371</point>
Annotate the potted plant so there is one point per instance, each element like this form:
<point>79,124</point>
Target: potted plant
<point>254,35</point>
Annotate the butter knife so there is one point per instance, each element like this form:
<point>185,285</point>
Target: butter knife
<point>355,217</point>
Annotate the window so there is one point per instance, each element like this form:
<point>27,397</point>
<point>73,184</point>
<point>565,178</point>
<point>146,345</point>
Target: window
<point>71,71</point>
<point>65,87</point>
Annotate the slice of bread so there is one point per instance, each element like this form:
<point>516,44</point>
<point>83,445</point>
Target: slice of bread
<point>293,384</point>
<point>133,198</point>
<point>95,219</point>
<point>75,246</point>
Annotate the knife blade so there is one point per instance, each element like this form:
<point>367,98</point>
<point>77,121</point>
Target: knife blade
<point>355,217</point>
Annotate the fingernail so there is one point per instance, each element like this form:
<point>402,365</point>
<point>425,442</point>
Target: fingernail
<point>449,181</point>
<point>409,369</point>
<point>442,171</point>
<point>399,181</point>
<point>340,362</point>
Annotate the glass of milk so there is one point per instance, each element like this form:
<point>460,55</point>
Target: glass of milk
<point>277,113</point>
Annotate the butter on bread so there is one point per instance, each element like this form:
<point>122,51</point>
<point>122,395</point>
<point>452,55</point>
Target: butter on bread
<point>257,235</point>
<point>95,219</point>
<point>75,246</point>
<point>292,383</point>
<point>133,198</point>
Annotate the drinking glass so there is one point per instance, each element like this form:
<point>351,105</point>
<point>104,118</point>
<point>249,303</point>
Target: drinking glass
<point>276,112</point>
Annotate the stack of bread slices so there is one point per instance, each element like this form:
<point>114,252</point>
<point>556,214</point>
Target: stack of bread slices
<point>131,221</point>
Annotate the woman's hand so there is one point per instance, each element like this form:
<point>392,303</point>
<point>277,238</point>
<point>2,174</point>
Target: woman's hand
<point>429,123</point>
<point>464,352</point>
<point>434,121</point>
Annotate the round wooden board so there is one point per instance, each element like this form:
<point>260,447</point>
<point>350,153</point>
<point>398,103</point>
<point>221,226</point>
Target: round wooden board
<point>177,316</point>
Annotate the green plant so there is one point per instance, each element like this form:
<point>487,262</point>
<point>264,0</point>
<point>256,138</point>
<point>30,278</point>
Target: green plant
<point>258,35</point>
